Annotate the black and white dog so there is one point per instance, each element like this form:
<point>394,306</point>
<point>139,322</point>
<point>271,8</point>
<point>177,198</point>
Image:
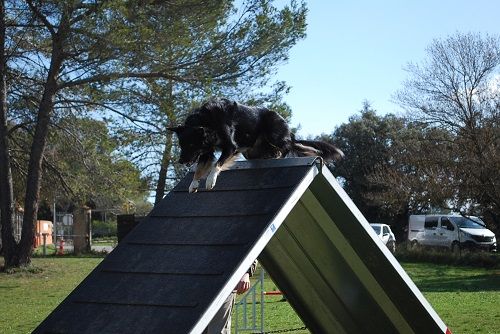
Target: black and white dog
<point>232,128</point>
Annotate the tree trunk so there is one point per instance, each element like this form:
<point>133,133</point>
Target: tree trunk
<point>165,163</point>
<point>81,229</point>
<point>33,180</point>
<point>8,243</point>
<point>167,151</point>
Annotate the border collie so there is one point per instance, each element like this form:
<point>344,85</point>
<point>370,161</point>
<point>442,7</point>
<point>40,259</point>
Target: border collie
<point>232,128</point>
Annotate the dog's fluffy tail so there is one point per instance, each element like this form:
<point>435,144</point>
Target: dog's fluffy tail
<point>328,152</point>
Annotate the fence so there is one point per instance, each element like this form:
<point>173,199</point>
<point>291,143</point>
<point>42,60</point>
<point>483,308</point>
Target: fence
<point>63,227</point>
<point>249,313</point>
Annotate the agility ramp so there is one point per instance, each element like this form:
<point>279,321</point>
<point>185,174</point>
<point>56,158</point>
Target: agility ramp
<point>175,269</point>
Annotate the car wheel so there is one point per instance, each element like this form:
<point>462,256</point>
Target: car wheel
<point>392,246</point>
<point>414,245</point>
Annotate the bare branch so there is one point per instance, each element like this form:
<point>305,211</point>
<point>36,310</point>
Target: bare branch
<point>42,17</point>
<point>121,75</point>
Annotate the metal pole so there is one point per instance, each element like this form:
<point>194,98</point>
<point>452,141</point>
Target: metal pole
<point>245,312</point>
<point>44,244</point>
<point>261,299</point>
<point>236,316</point>
<point>54,224</point>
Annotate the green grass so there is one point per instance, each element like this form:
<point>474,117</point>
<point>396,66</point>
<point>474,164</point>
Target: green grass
<point>465,298</point>
<point>110,241</point>
<point>28,295</point>
<point>49,250</point>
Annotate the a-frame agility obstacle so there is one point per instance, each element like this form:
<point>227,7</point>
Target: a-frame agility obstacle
<point>175,269</point>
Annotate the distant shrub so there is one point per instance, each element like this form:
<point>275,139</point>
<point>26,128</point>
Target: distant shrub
<point>442,256</point>
<point>102,229</point>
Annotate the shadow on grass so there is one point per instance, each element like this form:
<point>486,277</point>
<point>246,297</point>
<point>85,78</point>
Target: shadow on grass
<point>9,287</point>
<point>490,282</point>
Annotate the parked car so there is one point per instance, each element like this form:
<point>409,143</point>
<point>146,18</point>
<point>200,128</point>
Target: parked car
<point>385,234</point>
<point>454,232</point>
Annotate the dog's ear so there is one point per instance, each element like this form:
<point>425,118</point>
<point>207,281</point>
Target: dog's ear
<point>175,129</point>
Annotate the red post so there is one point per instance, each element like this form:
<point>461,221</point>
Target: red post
<point>61,247</point>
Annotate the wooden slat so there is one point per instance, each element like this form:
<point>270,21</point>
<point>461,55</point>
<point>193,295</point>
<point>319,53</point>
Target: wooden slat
<point>223,230</point>
<point>249,179</point>
<point>174,259</point>
<point>221,204</point>
<point>122,288</point>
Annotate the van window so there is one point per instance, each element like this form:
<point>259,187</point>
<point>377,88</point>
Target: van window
<point>466,222</point>
<point>386,230</point>
<point>431,222</point>
<point>446,224</point>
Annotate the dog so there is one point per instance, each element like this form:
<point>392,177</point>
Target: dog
<point>232,128</point>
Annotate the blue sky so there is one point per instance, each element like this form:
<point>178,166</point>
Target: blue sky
<point>356,51</point>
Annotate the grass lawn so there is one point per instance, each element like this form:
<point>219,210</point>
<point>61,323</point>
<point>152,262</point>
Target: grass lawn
<point>28,296</point>
<point>465,298</point>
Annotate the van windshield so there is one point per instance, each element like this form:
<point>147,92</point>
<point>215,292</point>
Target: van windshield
<point>471,222</point>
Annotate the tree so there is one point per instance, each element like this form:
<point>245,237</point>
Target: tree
<point>417,177</point>
<point>58,49</point>
<point>67,57</point>
<point>226,50</point>
<point>366,142</point>
<point>457,89</point>
<point>6,186</point>
<point>394,167</point>
<point>50,48</point>
<point>85,167</point>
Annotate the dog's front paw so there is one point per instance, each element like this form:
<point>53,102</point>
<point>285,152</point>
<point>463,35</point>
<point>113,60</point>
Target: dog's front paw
<point>211,180</point>
<point>193,187</point>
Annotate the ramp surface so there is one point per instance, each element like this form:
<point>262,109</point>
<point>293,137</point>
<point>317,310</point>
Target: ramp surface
<point>175,269</point>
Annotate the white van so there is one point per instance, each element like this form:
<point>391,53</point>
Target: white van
<point>450,231</point>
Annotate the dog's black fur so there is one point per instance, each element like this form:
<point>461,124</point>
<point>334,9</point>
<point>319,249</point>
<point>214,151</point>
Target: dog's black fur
<point>232,128</point>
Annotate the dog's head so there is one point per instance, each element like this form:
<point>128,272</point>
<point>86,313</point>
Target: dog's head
<point>193,141</point>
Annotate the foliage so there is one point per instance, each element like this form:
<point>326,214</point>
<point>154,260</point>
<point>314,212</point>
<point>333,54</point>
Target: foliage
<point>103,229</point>
<point>82,165</point>
<point>439,256</point>
<point>91,166</point>
<point>226,50</point>
<point>141,65</point>
<point>366,141</point>
<point>417,179</point>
